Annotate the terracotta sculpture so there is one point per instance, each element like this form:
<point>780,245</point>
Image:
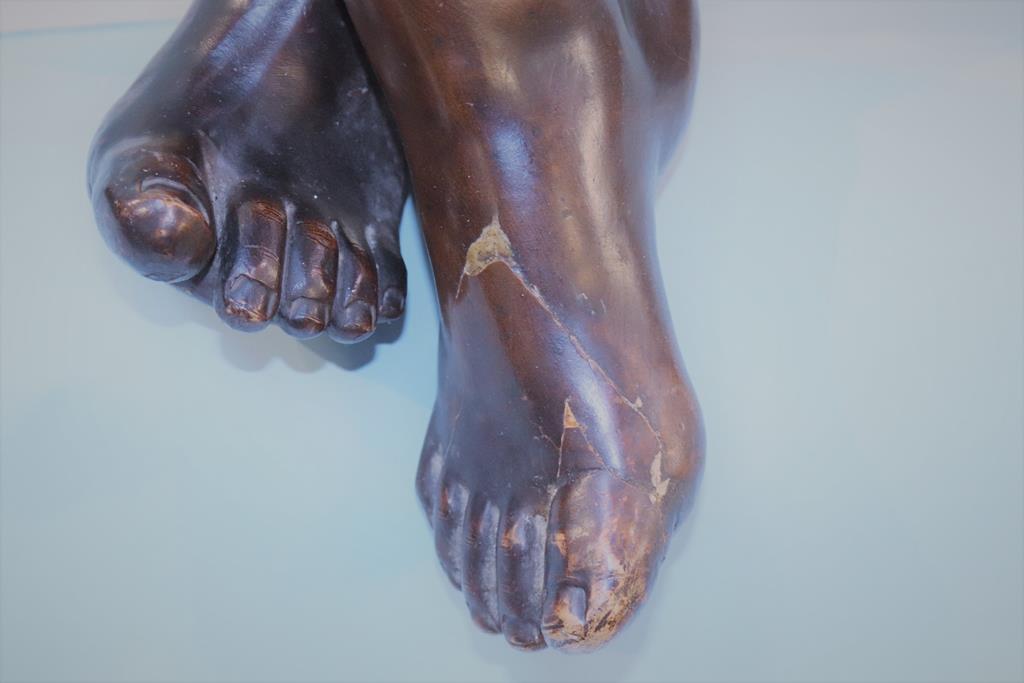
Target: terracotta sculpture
<point>566,441</point>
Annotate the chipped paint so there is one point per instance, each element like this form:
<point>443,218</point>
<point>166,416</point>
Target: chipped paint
<point>568,419</point>
<point>568,422</point>
<point>492,246</point>
<point>658,480</point>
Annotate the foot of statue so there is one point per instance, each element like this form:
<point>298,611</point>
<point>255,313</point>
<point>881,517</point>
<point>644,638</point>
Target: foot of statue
<point>252,165</point>
<point>565,441</point>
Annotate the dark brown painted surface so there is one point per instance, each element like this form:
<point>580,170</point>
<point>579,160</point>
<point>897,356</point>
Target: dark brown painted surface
<point>252,164</point>
<point>565,441</point>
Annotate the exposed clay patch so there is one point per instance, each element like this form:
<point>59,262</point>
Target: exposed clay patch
<point>658,480</point>
<point>575,451</point>
<point>568,419</point>
<point>492,246</point>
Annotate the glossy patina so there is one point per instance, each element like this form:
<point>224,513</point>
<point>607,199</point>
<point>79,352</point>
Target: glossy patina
<point>253,165</point>
<point>565,441</point>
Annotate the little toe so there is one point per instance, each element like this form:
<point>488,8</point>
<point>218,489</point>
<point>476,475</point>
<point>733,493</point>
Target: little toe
<point>254,249</point>
<point>605,539</point>
<point>479,571</point>
<point>391,274</point>
<point>449,518</point>
<point>354,311</point>
<point>428,472</point>
<point>310,273</point>
<point>151,208</point>
<point>520,562</point>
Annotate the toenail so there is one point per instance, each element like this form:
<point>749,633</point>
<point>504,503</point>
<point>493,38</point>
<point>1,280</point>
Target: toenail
<point>568,618</point>
<point>359,319</point>
<point>307,315</point>
<point>392,303</point>
<point>521,633</point>
<point>177,190</point>
<point>247,298</point>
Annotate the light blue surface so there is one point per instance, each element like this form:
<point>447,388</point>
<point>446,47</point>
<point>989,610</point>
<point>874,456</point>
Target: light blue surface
<point>842,247</point>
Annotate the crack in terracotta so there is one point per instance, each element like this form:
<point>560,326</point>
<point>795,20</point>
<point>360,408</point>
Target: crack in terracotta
<point>494,246</point>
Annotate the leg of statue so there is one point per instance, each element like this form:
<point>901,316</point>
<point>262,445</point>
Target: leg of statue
<point>253,165</point>
<point>566,441</point>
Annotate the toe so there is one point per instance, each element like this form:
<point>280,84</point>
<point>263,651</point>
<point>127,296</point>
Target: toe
<point>354,311</point>
<point>605,539</point>
<point>520,562</point>
<point>254,249</point>
<point>152,210</point>
<point>449,518</point>
<point>311,268</point>
<point>479,571</point>
<point>428,473</point>
<point>391,273</point>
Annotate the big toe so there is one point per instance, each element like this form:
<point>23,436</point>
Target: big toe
<point>152,211</point>
<point>251,277</point>
<point>606,537</point>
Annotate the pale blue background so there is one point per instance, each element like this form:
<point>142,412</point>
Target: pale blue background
<point>842,248</point>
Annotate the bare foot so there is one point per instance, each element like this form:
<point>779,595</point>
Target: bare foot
<point>252,164</point>
<point>566,441</point>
